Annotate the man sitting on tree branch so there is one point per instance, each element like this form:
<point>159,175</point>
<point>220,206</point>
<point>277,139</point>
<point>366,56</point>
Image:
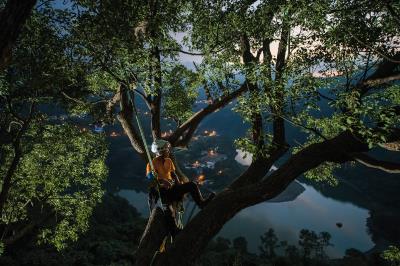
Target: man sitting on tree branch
<point>170,187</point>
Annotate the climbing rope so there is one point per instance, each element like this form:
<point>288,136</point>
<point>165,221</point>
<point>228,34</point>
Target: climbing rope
<point>179,208</point>
<point>145,147</point>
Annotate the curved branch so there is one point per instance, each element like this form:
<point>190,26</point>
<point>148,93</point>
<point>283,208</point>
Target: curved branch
<point>191,53</point>
<point>386,57</point>
<point>389,167</point>
<point>83,102</point>
<point>183,141</point>
<point>6,184</point>
<point>385,72</point>
<point>111,103</point>
<point>379,81</point>
<point>125,117</point>
<point>195,119</point>
<point>391,146</point>
<point>10,173</point>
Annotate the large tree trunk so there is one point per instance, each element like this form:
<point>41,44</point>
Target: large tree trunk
<point>153,236</point>
<point>12,18</point>
<point>189,243</point>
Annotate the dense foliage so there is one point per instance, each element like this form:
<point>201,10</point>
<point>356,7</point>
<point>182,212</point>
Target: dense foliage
<point>328,68</point>
<point>52,172</point>
<point>115,229</point>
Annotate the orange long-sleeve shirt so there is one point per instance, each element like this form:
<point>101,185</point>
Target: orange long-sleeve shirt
<point>163,167</point>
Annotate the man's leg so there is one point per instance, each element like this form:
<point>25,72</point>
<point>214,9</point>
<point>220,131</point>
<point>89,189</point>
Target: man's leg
<point>179,190</point>
<point>167,197</point>
<point>170,221</point>
<point>152,198</point>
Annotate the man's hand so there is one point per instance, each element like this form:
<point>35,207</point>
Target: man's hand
<point>176,178</point>
<point>150,176</point>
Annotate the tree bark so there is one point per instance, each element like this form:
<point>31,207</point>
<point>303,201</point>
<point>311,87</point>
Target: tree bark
<point>189,244</point>
<point>156,102</point>
<point>12,19</point>
<point>153,236</point>
<point>195,119</point>
<point>386,71</point>
<point>16,159</point>
<point>389,167</point>
<point>10,172</point>
<point>125,117</point>
<point>278,110</point>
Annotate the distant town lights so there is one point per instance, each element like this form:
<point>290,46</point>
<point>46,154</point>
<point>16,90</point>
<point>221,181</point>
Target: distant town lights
<point>212,153</point>
<point>166,133</point>
<point>114,134</point>
<point>201,179</point>
<point>210,133</point>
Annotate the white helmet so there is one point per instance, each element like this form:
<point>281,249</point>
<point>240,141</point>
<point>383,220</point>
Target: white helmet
<point>160,145</point>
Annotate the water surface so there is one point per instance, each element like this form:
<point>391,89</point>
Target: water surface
<point>309,210</point>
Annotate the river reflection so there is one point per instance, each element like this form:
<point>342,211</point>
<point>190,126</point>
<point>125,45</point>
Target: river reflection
<point>310,210</point>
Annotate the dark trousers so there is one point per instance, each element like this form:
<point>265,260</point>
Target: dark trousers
<point>176,194</point>
<point>178,191</point>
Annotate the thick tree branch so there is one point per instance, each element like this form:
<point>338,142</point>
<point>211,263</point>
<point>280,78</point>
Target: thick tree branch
<point>261,164</point>
<point>125,117</point>
<point>385,72</point>
<point>152,237</point>
<point>245,49</point>
<point>393,140</point>
<point>181,51</point>
<point>189,244</point>
<point>391,146</point>
<point>184,140</point>
<point>278,109</point>
<point>6,184</point>
<point>256,118</point>
<point>267,60</point>
<point>79,101</point>
<point>369,161</point>
<point>379,81</point>
<point>195,119</point>
<point>111,103</point>
<point>155,104</point>
<point>258,168</point>
<point>12,19</point>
